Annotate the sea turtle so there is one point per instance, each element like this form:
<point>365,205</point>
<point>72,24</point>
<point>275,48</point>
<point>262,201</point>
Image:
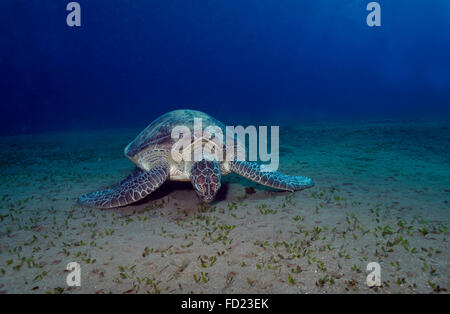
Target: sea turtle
<point>151,151</point>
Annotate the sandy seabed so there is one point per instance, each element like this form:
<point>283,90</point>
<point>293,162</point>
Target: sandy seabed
<point>382,195</point>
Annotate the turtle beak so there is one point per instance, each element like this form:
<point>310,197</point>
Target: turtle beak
<point>207,199</point>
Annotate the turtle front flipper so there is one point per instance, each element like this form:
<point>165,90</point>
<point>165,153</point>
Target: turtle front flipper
<point>252,171</point>
<point>205,177</point>
<point>133,188</point>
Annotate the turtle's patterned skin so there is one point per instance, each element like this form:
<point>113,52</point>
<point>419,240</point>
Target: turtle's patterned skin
<point>151,152</point>
<point>252,171</point>
<point>136,186</point>
<point>206,177</point>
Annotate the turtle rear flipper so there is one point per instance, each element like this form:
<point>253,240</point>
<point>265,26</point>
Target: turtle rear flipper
<point>252,171</point>
<point>133,188</point>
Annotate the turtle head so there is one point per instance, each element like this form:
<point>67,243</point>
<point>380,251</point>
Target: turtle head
<point>205,177</point>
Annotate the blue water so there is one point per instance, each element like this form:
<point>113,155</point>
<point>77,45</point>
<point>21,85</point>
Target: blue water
<point>257,60</point>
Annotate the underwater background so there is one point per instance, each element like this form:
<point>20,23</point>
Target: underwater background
<point>363,111</point>
<point>256,61</point>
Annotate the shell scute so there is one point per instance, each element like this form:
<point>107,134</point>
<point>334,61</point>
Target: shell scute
<point>160,130</point>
